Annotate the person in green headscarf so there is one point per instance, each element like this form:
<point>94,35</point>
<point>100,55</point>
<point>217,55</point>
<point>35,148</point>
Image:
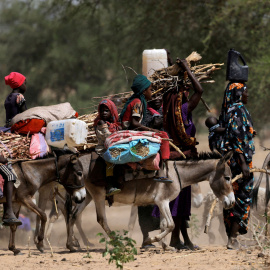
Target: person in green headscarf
<point>134,112</point>
<point>135,108</point>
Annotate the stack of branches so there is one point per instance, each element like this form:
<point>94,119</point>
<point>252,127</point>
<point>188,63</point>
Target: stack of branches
<point>166,79</point>
<point>163,80</point>
<point>14,146</point>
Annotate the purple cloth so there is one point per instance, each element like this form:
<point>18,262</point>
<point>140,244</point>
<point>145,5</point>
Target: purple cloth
<point>187,119</point>
<point>181,205</point>
<point>26,224</point>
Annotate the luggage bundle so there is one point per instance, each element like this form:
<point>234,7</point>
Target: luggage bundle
<point>39,127</point>
<point>131,146</point>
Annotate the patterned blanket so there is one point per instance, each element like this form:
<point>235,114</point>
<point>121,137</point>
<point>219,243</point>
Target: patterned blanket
<point>126,136</point>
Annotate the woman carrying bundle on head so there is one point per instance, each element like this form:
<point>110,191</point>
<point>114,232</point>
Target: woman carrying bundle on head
<point>238,138</point>
<point>134,112</point>
<point>177,108</point>
<point>105,124</point>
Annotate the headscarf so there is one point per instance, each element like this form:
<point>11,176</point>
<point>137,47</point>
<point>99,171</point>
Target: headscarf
<point>14,79</point>
<point>237,120</point>
<point>113,125</point>
<point>140,83</point>
<point>232,94</point>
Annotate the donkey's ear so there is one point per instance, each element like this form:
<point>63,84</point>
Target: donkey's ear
<point>226,158</point>
<point>73,158</point>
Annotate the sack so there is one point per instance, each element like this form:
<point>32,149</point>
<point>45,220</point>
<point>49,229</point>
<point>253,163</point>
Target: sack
<point>38,146</point>
<point>150,164</point>
<point>133,151</point>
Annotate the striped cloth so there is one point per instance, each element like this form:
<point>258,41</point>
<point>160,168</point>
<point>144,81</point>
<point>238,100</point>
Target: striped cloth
<point>125,136</point>
<point>7,173</point>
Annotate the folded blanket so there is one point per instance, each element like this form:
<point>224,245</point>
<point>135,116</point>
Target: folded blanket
<point>46,113</point>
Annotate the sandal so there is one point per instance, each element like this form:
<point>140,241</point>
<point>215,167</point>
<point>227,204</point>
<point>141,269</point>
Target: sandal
<point>162,179</point>
<point>11,221</point>
<point>112,191</point>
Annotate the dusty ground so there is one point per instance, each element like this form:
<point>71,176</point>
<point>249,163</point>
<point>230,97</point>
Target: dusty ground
<point>209,257</point>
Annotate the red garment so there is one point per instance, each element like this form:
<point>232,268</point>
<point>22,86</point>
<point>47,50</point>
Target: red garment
<point>134,109</point>
<point>30,126</point>
<point>165,145</point>
<point>14,79</point>
<point>114,125</point>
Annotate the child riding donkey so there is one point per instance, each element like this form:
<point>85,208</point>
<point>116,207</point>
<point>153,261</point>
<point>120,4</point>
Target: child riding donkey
<point>135,111</point>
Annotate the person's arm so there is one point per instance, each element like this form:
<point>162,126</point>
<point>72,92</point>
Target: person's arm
<point>198,90</point>
<point>135,124</point>
<point>21,102</point>
<point>244,166</point>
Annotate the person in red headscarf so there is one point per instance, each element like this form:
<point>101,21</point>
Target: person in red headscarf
<point>15,101</point>
<point>105,124</point>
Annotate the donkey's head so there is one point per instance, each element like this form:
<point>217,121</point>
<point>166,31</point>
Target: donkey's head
<point>221,182</point>
<point>73,179</point>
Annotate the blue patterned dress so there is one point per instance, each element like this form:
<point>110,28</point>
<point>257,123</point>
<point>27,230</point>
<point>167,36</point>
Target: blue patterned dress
<point>239,138</point>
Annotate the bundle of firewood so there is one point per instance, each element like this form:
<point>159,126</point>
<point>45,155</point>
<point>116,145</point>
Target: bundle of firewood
<point>91,135</point>
<point>14,146</point>
<point>163,80</point>
<point>166,79</point>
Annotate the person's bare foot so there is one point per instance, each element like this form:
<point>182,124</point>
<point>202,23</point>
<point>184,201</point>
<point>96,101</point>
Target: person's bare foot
<point>233,243</point>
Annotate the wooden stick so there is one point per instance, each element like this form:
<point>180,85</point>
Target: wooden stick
<point>209,216</point>
<point>177,149</point>
<point>215,201</point>
<point>206,106</point>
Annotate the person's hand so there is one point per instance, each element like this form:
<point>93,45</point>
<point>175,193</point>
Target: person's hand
<point>245,170</point>
<point>20,98</point>
<point>3,160</point>
<point>154,130</point>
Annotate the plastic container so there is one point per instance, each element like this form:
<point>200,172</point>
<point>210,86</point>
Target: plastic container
<point>71,132</point>
<point>236,71</point>
<point>153,60</point>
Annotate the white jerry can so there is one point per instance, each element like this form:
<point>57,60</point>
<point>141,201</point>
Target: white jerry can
<point>71,132</point>
<point>153,60</point>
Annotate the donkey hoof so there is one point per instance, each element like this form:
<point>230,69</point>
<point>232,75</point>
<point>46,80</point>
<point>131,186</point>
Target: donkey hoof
<point>40,247</point>
<point>71,248</point>
<point>15,251</point>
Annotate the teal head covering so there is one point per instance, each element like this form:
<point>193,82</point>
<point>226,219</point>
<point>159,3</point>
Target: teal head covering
<point>140,83</point>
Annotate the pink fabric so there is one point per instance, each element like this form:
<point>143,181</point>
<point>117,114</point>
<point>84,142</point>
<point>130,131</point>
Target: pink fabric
<point>2,181</point>
<point>14,79</point>
<point>152,111</point>
<point>38,146</point>
<point>113,125</point>
<point>126,136</point>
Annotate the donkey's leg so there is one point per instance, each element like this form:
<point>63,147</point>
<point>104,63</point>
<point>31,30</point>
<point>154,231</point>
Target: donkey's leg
<point>53,216</point>
<point>30,205</point>
<point>16,209</point>
<point>132,219</point>
<point>76,219</point>
<point>166,224</point>
<point>101,215</point>
<point>44,195</point>
<point>78,222</point>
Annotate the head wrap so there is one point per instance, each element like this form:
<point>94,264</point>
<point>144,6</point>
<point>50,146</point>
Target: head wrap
<point>140,83</point>
<point>233,94</point>
<point>113,125</point>
<point>14,79</point>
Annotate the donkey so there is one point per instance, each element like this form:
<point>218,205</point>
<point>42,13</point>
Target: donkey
<point>184,173</point>
<point>51,192</point>
<point>68,171</point>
